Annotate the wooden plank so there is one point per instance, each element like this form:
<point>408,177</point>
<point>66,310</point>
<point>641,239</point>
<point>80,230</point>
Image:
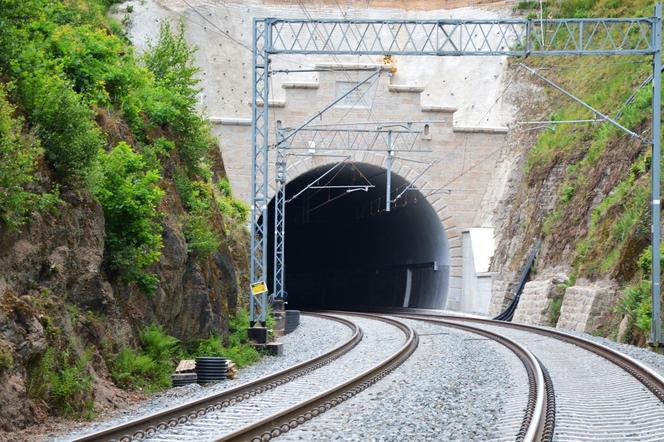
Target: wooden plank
<point>186,365</point>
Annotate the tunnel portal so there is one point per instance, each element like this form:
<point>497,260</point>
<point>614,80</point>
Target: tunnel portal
<point>343,250</point>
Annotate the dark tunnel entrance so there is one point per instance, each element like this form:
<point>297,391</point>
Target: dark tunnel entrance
<point>344,250</point>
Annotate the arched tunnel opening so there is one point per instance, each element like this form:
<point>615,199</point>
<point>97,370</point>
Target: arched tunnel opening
<point>344,250</point>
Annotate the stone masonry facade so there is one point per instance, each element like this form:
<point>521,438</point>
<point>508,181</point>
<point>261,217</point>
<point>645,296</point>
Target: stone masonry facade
<point>462,167</point>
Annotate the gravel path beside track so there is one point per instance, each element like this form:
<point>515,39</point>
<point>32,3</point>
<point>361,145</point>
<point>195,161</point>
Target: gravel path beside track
<point>313,337</point>
<point>645,355</point>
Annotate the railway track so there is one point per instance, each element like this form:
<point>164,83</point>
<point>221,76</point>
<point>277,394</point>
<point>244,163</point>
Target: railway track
<point>530,417</point>
<point>600,394</point>
<point>577,389</point>
<point>267,407</point>
<point>537,423</point>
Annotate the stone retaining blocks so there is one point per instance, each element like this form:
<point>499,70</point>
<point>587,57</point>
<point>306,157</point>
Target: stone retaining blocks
<point>584,306</point>
<point>535,302</point>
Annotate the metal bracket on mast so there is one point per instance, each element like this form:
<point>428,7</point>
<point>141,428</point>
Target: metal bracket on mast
<point>388,181</point>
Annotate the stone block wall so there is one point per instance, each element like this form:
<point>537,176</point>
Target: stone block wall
<point>534,305</point>
<point>501,292</point>
<point>584,306</point>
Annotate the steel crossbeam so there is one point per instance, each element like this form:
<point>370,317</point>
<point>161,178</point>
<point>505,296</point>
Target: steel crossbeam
<point>356,139</point>
<point>459,37</point>
<point>518,37</point>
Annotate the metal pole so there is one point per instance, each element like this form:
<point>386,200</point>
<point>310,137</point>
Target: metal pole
<point>280,218</point>
<point>254,148</point>
<point>267,40</point>
<point>656,323</point>
<point>388,187</point>
<point>259,173</point>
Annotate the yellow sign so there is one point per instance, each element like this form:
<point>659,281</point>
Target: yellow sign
<point>258,287</point>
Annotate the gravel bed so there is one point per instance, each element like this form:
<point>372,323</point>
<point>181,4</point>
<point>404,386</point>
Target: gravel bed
<point>313,337</point>
<point>644,355</point>
<point>451,388</point>
<point>379,341</point>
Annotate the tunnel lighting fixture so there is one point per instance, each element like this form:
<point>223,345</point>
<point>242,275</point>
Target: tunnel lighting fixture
<point>312,147</point>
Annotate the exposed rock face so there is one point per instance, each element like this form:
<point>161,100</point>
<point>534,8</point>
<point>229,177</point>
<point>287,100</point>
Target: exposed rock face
<point>53,276</point>
<point>55,258</point>
<point>535,302</point>
<point>585,306</point>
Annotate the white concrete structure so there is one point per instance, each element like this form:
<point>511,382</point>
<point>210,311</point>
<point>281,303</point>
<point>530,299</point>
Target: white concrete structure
<point>478,247</point>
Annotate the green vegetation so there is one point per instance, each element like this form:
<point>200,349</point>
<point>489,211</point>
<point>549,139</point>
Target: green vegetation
<point>198,199</point>
<point>20,153</point>
<point>554,310</point>
<point>602,197</point>
<point>230,206</point>
<point>103,117</point>
<point>6,359</point>
<point>171,61</point>
<point>62,381</point>
<point>149,367</point>
<point>236,347</point>
<point>81,113</point>
<point>128,192</point>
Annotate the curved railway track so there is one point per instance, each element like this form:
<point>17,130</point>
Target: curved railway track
<point>146,426</point>
<point>538,421</point>
<point>199,419</point>
<point>601,394</point>
<point>577,389</point>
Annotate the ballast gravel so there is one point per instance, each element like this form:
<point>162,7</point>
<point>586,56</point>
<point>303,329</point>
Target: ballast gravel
<point>313,337</point>
<point>451,388</point>
<point>643,355</point>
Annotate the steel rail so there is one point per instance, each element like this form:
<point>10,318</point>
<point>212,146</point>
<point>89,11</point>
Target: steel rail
<point>169,418</point>
<point>539,418</point>
<point>652,380</point>
<point>296,415</point>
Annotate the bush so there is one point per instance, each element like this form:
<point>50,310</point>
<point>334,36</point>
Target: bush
<point>128,192</point>
<point>173,103</point>
<point>635,303</point>
<point>19,155</point>
<point>242,355</point>
<point>230,206</point>
<point>554,312</point>
<point>63,122</point>
<point>150,367</point>
<point>236,347</point>
<point>201,237</point>
<point>198,199</point>
<point>63,382</point>
<point>235,209</point>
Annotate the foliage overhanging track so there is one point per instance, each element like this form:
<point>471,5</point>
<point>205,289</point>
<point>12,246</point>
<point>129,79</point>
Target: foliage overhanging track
<point>148,425</point>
